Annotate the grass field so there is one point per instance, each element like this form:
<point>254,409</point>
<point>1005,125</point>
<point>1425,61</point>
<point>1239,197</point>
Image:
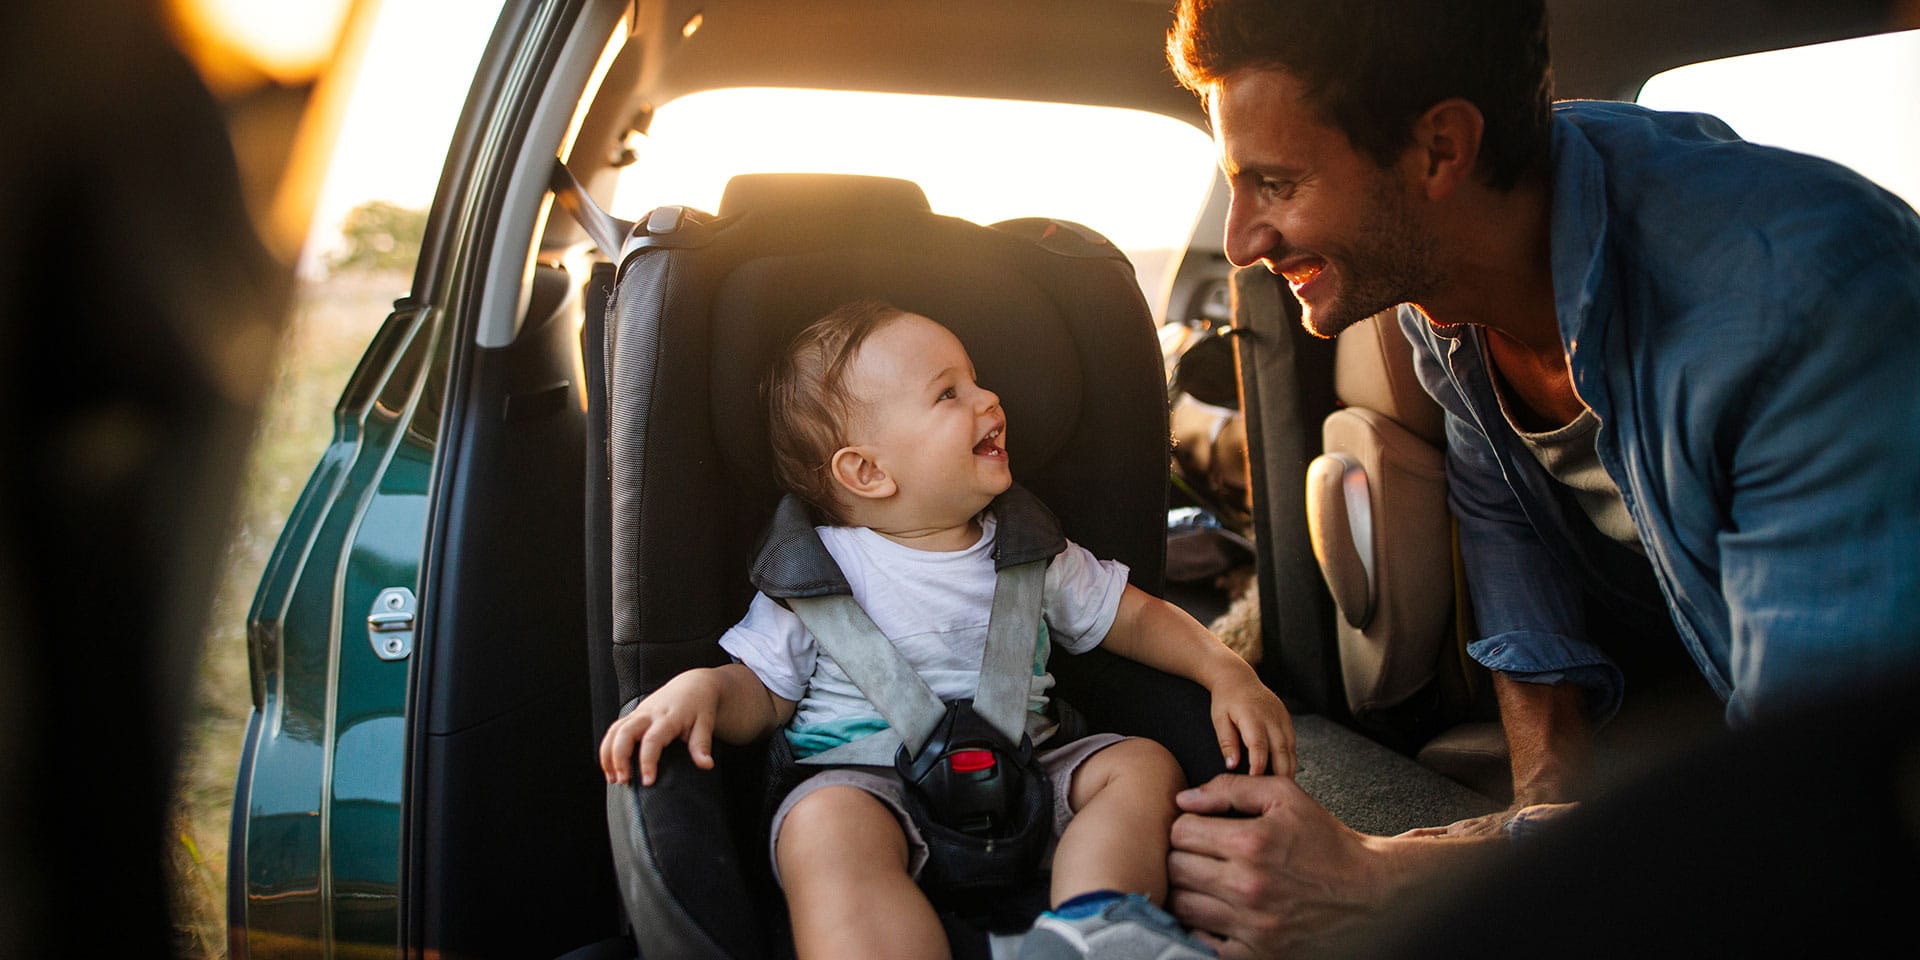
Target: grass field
<point>330,324</point>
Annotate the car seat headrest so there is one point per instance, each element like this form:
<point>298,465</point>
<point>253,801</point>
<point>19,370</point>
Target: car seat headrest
<point>1373,368</point>
<point>1019,341</point>
<point>841,194</point>
<point>822,240</point>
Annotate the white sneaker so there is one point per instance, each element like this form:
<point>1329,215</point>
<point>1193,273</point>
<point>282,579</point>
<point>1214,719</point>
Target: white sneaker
<point>1123,928</point>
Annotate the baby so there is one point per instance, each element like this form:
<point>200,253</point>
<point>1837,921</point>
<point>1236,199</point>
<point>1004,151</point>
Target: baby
<point>878,424</point>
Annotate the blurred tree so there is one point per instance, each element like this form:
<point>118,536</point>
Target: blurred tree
<point>380,235</point>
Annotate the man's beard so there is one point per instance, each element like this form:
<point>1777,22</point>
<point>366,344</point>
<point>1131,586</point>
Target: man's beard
<point>1392,261</point>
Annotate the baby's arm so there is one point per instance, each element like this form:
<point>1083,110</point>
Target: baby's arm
<point>728,702</point>
<point>1245,713</point>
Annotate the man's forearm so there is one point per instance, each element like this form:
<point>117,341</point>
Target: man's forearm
<point>1549,739</point>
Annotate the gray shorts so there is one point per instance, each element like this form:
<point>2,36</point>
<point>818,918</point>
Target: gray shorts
<point>884,785</point>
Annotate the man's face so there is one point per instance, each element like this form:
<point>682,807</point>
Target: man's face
<point>1312,208</point>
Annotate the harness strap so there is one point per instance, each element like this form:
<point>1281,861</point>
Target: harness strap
<point>842,628</point>
<point>849,636</point>
<point>873,750</point>
<point>1006,666</point>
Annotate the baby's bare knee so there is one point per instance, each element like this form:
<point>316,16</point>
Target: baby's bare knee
<point>835,824</point>
<point>1137,767</point>
<point>1152,764</point>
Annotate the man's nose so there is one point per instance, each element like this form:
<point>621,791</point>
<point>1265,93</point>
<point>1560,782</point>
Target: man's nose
<point>1248,236</point>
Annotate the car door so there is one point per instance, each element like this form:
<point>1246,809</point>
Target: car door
<point>416,643</point>
<point>331,635</point>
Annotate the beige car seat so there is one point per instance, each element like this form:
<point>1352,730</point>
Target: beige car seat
<point>1380,528</point>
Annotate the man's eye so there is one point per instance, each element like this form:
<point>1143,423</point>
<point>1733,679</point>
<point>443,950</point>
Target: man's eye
<point>1276,189</point>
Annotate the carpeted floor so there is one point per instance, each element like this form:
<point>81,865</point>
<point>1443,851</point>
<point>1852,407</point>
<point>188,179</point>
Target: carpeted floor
<point>1373,789</point>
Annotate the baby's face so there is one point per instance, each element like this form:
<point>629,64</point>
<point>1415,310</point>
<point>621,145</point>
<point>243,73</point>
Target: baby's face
<point>940,435</point>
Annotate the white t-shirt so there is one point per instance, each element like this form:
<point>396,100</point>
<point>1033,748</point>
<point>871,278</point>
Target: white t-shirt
<point>934,607</point>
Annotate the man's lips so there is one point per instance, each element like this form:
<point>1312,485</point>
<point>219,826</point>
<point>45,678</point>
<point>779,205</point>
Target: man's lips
<point>1300,271</point>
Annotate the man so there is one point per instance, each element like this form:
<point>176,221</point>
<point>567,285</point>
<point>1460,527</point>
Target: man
<point>1676,369</point>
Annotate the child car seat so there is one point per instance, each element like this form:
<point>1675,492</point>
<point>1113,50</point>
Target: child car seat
<point>684,485</point>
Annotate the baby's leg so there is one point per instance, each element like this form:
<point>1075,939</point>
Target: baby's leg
<point>1122,800</point>
<point>843,864</point>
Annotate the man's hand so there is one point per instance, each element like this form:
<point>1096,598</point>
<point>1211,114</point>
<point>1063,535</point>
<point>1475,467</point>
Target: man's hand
<point>1248,715</point>
<point>1485,825</point>
<point>1290,877</point>
<point>1495,824</point>
<point>1259,887</point>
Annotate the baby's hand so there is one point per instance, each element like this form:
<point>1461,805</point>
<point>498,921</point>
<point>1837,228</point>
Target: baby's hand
<point>684,709</point>
<point>1246,713</point>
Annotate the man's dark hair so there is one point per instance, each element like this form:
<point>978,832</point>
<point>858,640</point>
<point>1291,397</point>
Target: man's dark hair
<point>1371,67</point>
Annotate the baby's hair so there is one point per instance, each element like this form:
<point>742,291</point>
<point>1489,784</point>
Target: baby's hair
<point>807,402</point>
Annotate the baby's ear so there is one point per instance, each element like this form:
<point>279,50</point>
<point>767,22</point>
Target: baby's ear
<point>860,475</point>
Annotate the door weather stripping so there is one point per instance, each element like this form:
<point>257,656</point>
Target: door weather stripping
<point>390,624</point>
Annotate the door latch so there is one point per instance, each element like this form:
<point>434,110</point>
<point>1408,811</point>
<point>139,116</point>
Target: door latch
<point>390,624</point>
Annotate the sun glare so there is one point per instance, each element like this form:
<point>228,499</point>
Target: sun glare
<point>400,111</point>
<point>286,42</point>
<point>1139,178</point>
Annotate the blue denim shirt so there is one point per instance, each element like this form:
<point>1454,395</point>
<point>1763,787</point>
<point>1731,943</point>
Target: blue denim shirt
<point>1745,322</point>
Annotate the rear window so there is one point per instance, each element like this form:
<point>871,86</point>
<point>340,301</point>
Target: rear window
<point>1856,102</point>
<point>1139,178</point>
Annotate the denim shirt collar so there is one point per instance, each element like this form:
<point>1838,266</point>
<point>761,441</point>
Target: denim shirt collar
<point>1578,255</point>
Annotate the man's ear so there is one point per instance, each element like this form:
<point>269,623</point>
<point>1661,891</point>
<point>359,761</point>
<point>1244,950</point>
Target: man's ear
<point>1446,146</point>
<point>857,473</point>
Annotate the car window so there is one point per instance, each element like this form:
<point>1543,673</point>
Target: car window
<point>1139,178</point>
<point>396,116</point>
<point>1856,102</point>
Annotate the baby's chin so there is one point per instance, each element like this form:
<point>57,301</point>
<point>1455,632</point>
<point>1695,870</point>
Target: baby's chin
<point>1001,485</point>
<point>978,505</point>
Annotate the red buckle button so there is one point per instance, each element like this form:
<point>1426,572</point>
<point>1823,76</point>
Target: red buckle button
<point>970,761</point>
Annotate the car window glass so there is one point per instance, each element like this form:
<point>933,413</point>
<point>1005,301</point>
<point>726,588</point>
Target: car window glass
<point>1139,178</point>
<point>1856,102</point>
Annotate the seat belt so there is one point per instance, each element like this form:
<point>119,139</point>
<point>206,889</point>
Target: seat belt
<point>842,628</point>
<point>607,231</point>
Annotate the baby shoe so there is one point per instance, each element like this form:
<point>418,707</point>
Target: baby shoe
<point>1109,927</point>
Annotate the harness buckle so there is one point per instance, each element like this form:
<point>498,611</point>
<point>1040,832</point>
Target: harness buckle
<point>971,779</point>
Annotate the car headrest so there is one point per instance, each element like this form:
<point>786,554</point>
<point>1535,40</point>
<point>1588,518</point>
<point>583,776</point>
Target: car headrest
<point>974,280</point>
<point>839,194</point>
<point>1373,368</point>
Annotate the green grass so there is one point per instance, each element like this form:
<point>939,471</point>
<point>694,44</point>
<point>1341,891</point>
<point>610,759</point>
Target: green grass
<point>331,322</point>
